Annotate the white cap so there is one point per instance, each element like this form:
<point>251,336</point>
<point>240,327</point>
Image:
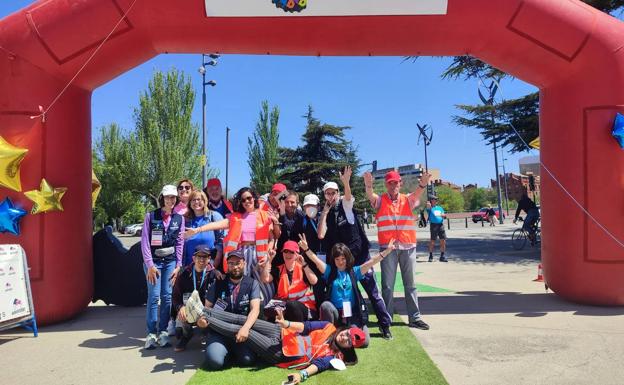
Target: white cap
<point>169,190</point>
<point>331,185</point>
<point>310,199</point>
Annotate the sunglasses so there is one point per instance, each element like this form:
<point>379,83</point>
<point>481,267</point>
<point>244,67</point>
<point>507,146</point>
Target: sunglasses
<point>197,200</point>
<point>247,198</point>
<point>184,187</point>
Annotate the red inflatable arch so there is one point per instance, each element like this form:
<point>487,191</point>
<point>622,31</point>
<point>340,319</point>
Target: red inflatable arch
<point>572,52</point>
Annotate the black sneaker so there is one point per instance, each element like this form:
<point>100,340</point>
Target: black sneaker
<point>431,258</point>
<point>419,324</point>
<point>385,333</point>
<point>182,342</point>
<point>443,259</point>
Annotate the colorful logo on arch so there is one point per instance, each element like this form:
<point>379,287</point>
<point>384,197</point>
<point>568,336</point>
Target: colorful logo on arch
<point>291,5</point>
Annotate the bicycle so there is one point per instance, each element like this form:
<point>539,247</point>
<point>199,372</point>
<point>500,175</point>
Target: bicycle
<point>520,236</point>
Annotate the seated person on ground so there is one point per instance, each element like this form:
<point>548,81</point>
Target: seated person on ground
<point>240,295</point>
<point>293,286</point>
<point>199,275</point>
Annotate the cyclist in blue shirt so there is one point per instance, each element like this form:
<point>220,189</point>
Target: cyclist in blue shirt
<point>436,217</point>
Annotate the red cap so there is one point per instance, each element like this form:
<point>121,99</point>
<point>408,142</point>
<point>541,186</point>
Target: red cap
<point>291,245</point>
<point>278,187</point>
<point>213,182</point>
<point>393,176</point>
<point>357,337</point>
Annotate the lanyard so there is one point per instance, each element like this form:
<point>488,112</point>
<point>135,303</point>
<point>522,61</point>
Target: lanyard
<point>195,279</point>
<point>305,223</point>
<point>234,294</point>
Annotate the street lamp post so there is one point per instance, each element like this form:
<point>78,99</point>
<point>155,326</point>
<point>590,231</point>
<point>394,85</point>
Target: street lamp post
<point>505,176</point>
<point>227,158</point>
<point>202,70</point>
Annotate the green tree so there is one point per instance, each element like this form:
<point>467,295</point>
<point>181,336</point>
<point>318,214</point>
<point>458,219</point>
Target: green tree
<point>325,151</point>
<point>522,112</point>
<point>165,145</point>
<point>111,162</point>
<point>451,200</point>
<point>263,149</point>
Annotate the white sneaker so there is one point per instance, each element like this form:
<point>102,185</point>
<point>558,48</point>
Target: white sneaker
<point>163,339</point>
<point>150,341</point>
<point>171,328</point>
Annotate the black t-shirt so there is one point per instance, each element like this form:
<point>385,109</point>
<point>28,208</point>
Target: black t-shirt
<point>228,295</point>
<point>290,232</point>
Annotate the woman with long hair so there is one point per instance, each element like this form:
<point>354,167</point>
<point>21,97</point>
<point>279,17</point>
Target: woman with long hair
<point>197,215</point>
<point>250,229</point>
<point>310,346</point>
<point>344,304</point>
<point>185,187</point>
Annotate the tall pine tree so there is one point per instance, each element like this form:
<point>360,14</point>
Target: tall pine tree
<point>325,151</point>
<point>263,149</point>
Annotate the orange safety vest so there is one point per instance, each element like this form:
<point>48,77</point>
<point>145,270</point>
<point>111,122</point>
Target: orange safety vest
<point>395,221</point>
<point>307,348</point>
<point>232,239</point>
<point>297,289</point>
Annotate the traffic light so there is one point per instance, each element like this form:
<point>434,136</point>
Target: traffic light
<point>531,183</point>
<point>374,165</point>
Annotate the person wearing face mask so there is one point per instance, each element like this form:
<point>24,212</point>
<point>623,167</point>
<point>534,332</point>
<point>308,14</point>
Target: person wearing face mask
<point>309,228</point>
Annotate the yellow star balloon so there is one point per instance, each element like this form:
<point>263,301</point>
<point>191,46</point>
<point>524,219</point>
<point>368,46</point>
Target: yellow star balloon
<point>96,187</point>
<point>10,159</point>
<point>47,198</point>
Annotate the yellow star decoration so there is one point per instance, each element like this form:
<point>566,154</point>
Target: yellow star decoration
<point>47,198</point>
<point>96,187</point>
<point>10,159</point>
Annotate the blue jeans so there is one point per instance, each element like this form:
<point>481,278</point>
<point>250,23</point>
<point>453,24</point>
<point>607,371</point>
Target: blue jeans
<point>219,348</point>
<point>160,290</point>
<point>529,222</point>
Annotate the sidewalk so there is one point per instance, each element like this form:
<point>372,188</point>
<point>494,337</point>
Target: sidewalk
<point>495,326</point>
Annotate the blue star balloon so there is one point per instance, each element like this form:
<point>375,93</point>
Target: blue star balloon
<point>618,129</point>
<point>10,217</point>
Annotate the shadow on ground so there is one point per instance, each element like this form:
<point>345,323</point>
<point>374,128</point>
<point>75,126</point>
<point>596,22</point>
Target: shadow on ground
<point>490,302</point>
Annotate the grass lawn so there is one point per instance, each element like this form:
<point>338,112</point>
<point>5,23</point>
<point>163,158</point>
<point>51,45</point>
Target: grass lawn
<point>399,362</point>
<point>398,285</point>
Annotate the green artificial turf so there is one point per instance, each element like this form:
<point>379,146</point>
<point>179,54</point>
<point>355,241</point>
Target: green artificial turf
<point>398,285</point>
<point>399,362</point>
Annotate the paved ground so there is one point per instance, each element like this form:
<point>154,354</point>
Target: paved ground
<point>497,326</point>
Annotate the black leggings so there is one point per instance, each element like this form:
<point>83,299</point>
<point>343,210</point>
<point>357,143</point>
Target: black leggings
<point>265,338</point>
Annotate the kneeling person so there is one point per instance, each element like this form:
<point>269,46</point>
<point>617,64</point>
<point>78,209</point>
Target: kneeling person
<point>236,294</point>
<point>199,275</point>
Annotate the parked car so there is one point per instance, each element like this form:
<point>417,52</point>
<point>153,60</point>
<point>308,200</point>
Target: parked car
<point>481,215</point>
<point>134,229</point>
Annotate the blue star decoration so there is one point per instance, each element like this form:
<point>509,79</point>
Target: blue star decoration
<point>618,129</point>
<point>10,217</point>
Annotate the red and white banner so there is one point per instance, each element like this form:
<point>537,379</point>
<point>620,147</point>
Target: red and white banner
<point>276,8</point>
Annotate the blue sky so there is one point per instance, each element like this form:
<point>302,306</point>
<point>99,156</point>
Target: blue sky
<point>381,98</point>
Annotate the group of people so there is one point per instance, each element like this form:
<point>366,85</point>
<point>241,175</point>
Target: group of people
<point>275,279</point>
